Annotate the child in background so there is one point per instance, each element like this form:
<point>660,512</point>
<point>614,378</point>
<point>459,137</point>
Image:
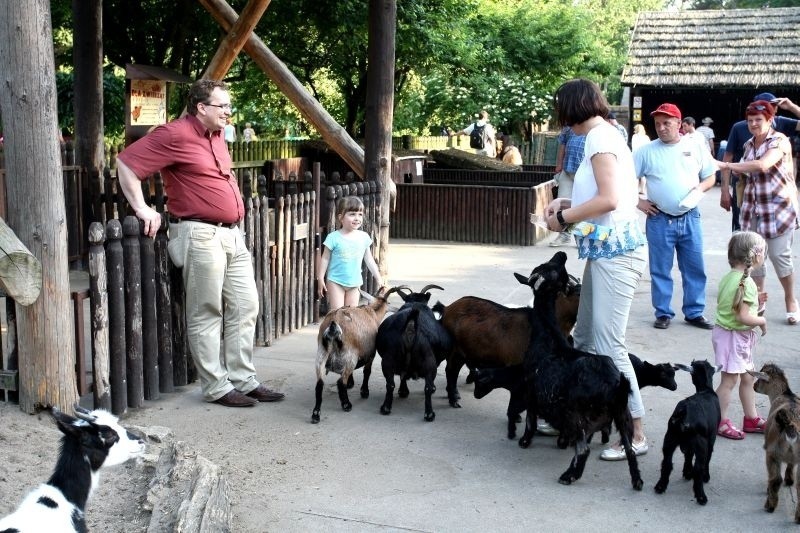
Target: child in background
<point>342,254</point>
<point>734,336</point>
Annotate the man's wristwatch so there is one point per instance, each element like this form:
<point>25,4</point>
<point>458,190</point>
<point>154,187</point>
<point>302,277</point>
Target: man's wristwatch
<point>560,217</point>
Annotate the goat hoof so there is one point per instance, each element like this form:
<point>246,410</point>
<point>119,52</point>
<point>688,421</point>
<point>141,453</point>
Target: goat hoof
<point>702,499</point>
<point>769,508</point>
<point>660,488</point>
<point>430,416</point>
<point>637,484</point>
<point>315,417</point>
<point>364,393</point>
<point>512,434</point>
<point>347,407</point>
<point>454,403</point>
<point>566,480</point>
<point>524,443</point>
<point>402,393</point>
<point>385,410</point>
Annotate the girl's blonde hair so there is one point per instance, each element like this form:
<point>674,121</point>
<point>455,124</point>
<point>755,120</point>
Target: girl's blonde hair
<point>639,128</point>
<point>743,247</point>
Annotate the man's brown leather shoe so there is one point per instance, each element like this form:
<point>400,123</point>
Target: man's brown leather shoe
<point>263,394</point>
<point>235,399</point>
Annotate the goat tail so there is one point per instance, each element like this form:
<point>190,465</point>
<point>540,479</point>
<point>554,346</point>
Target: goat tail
<point>332,336</point>
<point>438,308</point>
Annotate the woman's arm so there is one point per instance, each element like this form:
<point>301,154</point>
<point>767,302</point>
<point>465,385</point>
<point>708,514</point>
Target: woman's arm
<point>770,158</point>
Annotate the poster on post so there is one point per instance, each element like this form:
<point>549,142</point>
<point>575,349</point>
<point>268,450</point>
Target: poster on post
<point>148,102</point>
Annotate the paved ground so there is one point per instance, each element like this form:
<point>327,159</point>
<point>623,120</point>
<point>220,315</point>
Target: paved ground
<point>361,471</point>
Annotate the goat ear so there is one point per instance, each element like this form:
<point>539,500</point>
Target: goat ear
<point>681,366</point>
<point>65,423</point>
<point>758,375</point>
<point>522,279</point>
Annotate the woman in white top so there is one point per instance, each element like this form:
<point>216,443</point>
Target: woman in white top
<point>639,137</point>
<point>605,193</point>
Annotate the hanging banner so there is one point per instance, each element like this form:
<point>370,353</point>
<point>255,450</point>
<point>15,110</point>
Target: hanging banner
<point>148,102</point>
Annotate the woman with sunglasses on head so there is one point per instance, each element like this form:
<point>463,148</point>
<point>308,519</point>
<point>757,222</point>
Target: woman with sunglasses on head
<point>769,206</point>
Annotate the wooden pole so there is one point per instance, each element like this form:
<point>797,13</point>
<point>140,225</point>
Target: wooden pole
<point>379,115</point>
<point>36,211</point>
<point>334,134</point>
<point>232,44</point>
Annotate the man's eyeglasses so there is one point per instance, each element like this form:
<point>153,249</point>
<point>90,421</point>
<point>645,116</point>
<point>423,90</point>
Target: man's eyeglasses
<point>226,107</point>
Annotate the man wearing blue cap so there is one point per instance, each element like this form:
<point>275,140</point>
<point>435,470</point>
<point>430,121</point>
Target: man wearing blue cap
<point>735,149</point>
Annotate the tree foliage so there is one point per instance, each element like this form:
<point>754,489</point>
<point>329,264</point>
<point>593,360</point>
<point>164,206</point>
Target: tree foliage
<point>453,57</point>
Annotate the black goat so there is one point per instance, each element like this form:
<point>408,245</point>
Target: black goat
<point>412,344</point>
<point>511,378</point>
<point>577,392</point>
<point>693,427</point>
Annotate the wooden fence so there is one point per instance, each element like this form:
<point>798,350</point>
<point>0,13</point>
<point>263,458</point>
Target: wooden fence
<point>470,213</point>
<point>445,176</point>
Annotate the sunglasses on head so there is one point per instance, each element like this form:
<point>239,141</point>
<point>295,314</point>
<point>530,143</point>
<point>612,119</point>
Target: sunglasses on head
<point>758,107</point>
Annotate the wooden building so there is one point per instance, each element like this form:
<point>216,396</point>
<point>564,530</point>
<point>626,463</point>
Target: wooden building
<point>711,63</point>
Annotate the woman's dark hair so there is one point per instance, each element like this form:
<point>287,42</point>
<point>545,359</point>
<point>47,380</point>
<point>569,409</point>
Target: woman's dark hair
<point>579,100</point>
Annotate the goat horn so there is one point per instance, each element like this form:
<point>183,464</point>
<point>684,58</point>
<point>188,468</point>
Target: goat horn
<point>83,414</point>
<point>426,288</point>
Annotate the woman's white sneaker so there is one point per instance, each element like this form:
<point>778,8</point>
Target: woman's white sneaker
<point>617,452</point>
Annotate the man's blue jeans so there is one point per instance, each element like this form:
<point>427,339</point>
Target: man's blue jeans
<point>666,236</point>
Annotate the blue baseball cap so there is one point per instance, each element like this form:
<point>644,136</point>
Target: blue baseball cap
<point>765,96</point>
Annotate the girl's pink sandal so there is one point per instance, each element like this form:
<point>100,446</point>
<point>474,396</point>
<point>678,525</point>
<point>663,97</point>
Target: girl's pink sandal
<point>754,425</point>
<point>728,430</point>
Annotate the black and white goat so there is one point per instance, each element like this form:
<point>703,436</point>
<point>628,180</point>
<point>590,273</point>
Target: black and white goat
<point>412,343</point>
<point>92,441</point>
<point>781,433</point>
<point>346,341</point>
<point>577,392</point>
<point>693,427</point>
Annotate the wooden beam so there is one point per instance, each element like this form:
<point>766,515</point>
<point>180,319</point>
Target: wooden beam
<point>232,44</point>
<point>334,134</point>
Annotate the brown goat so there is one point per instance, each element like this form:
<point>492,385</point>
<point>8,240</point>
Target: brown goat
<point>346,341</point>
<point>489,335</point>
<point>780,433</point>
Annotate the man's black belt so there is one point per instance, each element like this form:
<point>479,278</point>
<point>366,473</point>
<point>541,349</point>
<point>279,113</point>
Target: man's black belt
<point>229,225</point>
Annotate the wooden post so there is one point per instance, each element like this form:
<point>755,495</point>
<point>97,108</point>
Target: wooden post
<point>133,311</point>
<point>98,304</point>
<point>20,271</point>
<point>379,112</point>
<point>164,305</point>
<point>35,200</point>
<point>116,318</point>
<point>149,316</point>
<point>334,134</point>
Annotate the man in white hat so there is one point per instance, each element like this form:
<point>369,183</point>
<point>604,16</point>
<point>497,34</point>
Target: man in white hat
<point>706,131</point>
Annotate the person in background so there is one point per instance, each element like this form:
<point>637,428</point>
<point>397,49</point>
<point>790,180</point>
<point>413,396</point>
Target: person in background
<point>605,193</point>
<point>769,201</point>
<point>734,337</point>
<point>706,131</point>
<point>342,255</point>
<point>612,119</point>
<point>689,132</point>
<point>639,137</point>
<point>508,151</point>
<point>205,240</point>
<point>230,131</point>
<point>568,159</point>
<point>486,131</point>
<point>675,168</point>
<point>734,151</point>
<point>248,134</point>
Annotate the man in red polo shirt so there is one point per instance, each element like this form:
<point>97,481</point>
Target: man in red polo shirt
<point>205,208</point>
